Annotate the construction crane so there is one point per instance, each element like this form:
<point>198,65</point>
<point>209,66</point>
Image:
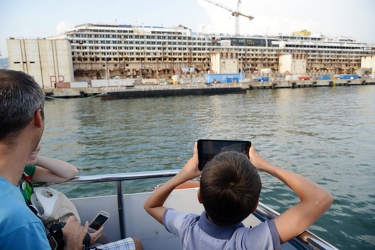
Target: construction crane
<point>236,13</point>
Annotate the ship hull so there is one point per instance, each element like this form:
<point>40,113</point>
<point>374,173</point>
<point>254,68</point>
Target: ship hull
<point>136,93</point>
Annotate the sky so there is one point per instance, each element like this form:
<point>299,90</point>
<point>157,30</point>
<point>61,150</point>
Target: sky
<point>332,18</point>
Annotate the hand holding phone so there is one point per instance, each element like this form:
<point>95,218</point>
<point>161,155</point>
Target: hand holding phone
<point>99,220</point>
<point>207,149</point>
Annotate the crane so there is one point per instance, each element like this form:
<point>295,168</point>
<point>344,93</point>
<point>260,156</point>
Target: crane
<point>236,13</point>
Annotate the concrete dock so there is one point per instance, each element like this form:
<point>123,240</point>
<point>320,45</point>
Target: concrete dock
<point>193,89</point>
<point>309,84</point>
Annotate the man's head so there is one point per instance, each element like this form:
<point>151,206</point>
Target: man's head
<point>229,188</point>
<point>21,100</point>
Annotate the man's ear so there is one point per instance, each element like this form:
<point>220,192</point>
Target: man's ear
<point>38,118</point>
<point>199,195</point>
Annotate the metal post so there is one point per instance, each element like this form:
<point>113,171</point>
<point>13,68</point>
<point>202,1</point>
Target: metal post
<point>120,207</point>
<point>105,68</point>
<point>106,72</point>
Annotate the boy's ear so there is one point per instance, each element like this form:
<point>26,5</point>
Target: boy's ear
<point>255,208</point>
<point>199,195</point>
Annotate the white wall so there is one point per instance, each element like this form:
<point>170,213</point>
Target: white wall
<point>285,63</point>
<point>112,83</point>
<point>368,62</point>
<point>225,63</point>
<point>290,63</point>
<point>78,84</point>
<point>215,63</point>
<point>48,61</point>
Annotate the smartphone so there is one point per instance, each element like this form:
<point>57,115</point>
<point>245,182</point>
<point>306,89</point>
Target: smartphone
<point>207,149</point>
<point>99,220</point>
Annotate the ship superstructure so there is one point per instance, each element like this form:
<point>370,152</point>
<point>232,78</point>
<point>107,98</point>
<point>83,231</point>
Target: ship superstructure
<point>104,51</point>
<point>101,50</point>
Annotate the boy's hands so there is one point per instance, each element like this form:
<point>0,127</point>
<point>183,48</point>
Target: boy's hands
<point>154,205</point>
<point>258,161</point>
<point>314,200</point>
<point>190,170</point>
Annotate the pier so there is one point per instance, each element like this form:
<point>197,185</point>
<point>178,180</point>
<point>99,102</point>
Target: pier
<point>139,91</point>
<point>309,83</point>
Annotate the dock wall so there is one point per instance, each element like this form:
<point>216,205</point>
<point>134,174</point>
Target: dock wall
<point>196,89</point>
<point>310,83</point>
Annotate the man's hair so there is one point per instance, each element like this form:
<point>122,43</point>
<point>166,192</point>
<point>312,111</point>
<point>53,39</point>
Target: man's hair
<point>20,98</point>
<point>230,188</point>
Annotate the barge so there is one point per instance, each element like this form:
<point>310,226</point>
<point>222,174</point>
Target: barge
<point>109,93</point>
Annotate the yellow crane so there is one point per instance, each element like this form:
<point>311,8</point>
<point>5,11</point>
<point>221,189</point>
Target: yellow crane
<point>236,13</point>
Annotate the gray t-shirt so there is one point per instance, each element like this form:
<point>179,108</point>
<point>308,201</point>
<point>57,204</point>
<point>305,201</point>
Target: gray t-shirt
<point>197,232</point>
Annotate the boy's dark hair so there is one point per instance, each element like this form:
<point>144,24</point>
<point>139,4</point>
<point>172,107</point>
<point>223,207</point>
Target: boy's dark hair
<point>229,188</point>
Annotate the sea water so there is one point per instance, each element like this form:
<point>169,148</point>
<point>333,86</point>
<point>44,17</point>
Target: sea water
<point>325,134</point>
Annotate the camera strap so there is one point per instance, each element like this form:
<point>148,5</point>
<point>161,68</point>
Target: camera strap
<point>55,236</point>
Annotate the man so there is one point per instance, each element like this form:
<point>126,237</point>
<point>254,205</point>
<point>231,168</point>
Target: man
<point>21,129</point>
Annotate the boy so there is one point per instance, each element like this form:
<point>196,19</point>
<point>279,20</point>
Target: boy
<point>229,191</point>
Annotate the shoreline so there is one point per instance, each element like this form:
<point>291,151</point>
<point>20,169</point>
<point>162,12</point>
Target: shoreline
<point>139,91</point>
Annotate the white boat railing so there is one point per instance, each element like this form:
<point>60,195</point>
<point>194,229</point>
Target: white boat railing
<point>119,178</point>
<point>306,240</point>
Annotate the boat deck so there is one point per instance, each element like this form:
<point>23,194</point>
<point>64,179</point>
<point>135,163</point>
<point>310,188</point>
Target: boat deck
<point>128,218</point>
